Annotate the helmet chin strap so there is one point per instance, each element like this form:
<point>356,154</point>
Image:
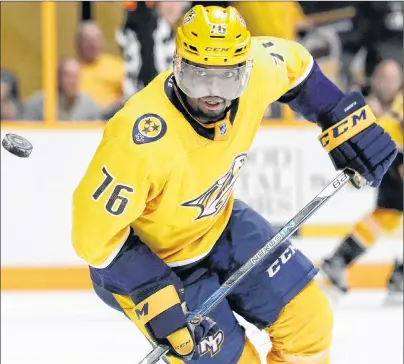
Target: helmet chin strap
<point>198,115</point>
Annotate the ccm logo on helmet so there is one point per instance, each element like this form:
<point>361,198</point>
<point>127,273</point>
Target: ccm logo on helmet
<point>212,49</point>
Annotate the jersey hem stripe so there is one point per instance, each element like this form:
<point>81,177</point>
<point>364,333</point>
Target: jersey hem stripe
<point>190,260</point>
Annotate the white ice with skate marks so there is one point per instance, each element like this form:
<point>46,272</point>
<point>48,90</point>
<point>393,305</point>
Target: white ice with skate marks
<point>77,328</point>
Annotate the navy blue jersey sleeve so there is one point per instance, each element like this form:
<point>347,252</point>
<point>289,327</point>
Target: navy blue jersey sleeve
<point>315,97</point>
<point>136,272</point>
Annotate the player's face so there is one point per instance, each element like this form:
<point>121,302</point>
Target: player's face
<point>210,89</point>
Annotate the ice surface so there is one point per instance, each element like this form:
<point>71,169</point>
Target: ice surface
<point>77,328</point>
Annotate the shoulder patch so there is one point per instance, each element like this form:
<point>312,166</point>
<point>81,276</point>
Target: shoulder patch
<point>148,128</point>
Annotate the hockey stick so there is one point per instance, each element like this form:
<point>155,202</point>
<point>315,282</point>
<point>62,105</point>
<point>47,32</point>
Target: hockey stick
<point>283,234</point>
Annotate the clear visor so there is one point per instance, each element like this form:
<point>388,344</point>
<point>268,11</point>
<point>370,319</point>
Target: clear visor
<point>225,82</point>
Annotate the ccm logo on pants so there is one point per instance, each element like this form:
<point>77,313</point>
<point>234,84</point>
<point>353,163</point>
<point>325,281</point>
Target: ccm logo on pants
<point>283,259</point>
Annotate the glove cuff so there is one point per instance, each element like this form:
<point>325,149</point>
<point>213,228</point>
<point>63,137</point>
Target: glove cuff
<point>350,103</point>
<point>168,322</point>
<point>344,130</point>
<point>162,312</point>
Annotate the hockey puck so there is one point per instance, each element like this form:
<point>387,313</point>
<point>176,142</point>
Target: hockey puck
<point>17,145</point>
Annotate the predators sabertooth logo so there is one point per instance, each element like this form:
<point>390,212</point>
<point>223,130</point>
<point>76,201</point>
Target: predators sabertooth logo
<point>215,197</point>
<point>211,344</point>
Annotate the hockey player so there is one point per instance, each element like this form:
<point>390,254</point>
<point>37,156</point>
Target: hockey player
<point>154,215</point>
<point>387,100</point>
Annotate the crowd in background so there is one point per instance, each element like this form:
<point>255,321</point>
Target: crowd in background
<point>351,41</point>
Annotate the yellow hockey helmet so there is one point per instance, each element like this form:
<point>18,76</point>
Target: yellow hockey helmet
<point>213,36</point>
<point>213,53</point>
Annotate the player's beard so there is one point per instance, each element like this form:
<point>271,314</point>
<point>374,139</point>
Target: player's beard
<point>208,109</point>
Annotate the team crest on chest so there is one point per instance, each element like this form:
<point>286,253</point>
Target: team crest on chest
<point>212,201</point>
<point>148,128</point>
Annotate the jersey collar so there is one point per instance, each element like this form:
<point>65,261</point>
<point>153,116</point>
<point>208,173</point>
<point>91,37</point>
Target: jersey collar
<point>219,130</point>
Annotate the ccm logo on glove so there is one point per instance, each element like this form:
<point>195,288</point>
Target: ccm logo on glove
<point>347,128</point>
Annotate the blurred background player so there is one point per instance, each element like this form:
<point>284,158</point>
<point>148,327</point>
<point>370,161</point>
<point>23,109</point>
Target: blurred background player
<point>386,101</point>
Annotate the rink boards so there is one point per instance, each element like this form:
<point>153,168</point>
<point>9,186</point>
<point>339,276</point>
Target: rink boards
<point>286,168</point>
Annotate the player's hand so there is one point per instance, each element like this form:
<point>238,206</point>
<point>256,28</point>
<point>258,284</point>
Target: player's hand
<point>356,142</point>
<point>197,329</point>
<point>163,313</point>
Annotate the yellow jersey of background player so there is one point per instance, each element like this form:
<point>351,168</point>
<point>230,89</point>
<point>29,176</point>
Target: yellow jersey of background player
<point>154,215</point>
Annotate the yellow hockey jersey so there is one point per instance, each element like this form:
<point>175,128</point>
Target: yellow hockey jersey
<point>168,177</point>
<point>392,121</point>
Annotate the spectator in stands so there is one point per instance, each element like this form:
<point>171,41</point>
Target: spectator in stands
<point>11,107</point>
<point>386,84</point>
<point>73,105</point>
<point>102,74</point>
